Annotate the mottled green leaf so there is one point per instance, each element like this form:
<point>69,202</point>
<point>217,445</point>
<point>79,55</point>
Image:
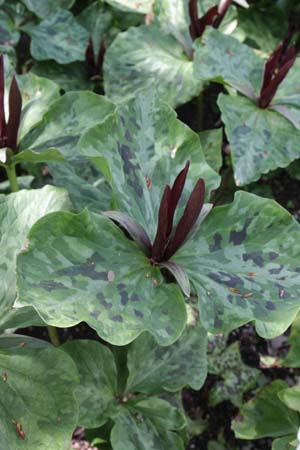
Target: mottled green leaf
<point>244,264</point>
<point>46,7</point>
<point>8,34</point>
<point>170,368</point>
<point>264,26</point>
<point>37,95</point>
<point>139,6</point>
<point>224,59</point>
<point>148,426</point>
<point>144,57</point>
<point>266,416</point>
<point>69,77</point>
<point>86,269</point>
<point>36,157</point>
<point>96,393</point>
<point>18,212</point>
<point>237,377</point>
<point>291,397</point>
<point>260,139</point>
<point>37,392</point>
<point>86,186</point>
<point>66,120</point>
<point>140,149</point>
<point>292,359</point>
<point>211,141</point>
<point>58,37</point>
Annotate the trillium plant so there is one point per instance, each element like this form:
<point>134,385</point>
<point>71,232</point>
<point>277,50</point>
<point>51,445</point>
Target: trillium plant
<point>120,222</point>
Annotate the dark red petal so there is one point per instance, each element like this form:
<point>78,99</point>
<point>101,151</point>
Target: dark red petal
<point>268,92</point>
<point>15,108</point>
<point>161,237</point>
<point>193,12</point>
<point>176,192</point>
<point>101,54</point>
<point>2,113</point>
<point>208,19</point>
<point>188,219</point>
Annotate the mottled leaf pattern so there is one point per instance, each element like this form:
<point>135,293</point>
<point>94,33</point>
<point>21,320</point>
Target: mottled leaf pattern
<point>18,212</point>
<point>65,122</point>
<point>83,268</point>
<point>46,7</point>
<point>140,6</point>
<point>244,265</point>
<point>224,59</point>
<point>69,77</point>
<point>237,377</point>
<point>141,148</point>
<point>170,368</point>
<point>148,423</point>
<point>59,37</point>
<point>86,186</point>
<point>37,385</point>
<point>266,416</point>
<point>291,397</point>
<point>257,149</point>
<point>97,390</point>
<point>147,57</point>
<point>292,359</point>
<point>8,34</point>
<point>37,95</point>
<point>211,141</point>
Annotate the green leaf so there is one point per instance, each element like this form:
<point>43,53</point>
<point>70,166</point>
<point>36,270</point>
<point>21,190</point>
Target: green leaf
<point>224,59</point>
<point>266,416</point>
<point>237,377</point>
<point>211,141</point>
<point>244,264</point>
<point>141,6</point>
<point>284,443</point>
<point>266,27</point>
<point>292,359</point>
<point>37,392</point>
<point>97,390</point>
<point>37,95</point>
<point>148,426</point>
<point>36,157</point>
<point>170,368</point>
<point>147,57</point>
<point>47,7</point>
<point>66,120</point>
<point>69,77</point>
<point>8,34</point>
<point>58,37</point>
<point>291,397</point>
<point>18,212</point>
<point>86,185</point>
<point>87,257</point>
<point>140,149</point>
<point>257,149</point>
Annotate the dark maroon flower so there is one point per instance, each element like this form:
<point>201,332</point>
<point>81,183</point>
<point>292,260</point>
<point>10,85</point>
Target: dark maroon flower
<point>278,66</point>
<point>9,129</point>
<point>167,241</point>
<point>213,17</point>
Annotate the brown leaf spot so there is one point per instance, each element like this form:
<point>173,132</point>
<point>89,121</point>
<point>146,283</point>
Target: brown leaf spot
<point>148,183</point>
<point>19,428</point>
<point>234,290</point>
<point>147,275</point>
<point>247,295</point>
<point>26,95</point>
<point>155,283</point>
<point>251,274</point>
<point>22,344</point>
<point>4,376</point>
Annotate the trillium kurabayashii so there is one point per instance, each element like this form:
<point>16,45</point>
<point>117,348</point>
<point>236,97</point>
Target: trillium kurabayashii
<point>9,129</point>
<point>167,241</point>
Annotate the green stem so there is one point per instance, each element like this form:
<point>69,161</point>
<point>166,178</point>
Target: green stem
<point>12,177</point>
<point>53,335</point>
